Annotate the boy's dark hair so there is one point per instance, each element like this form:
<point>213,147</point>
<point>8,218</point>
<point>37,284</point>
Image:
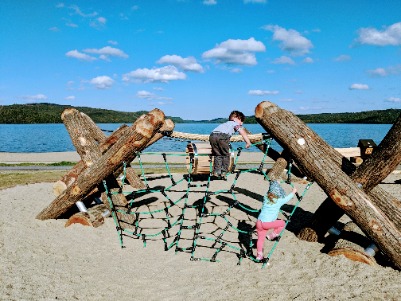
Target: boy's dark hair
<point>237,114</point>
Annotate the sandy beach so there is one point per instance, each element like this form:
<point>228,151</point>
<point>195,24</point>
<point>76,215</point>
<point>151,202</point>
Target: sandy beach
<point>43,260</point>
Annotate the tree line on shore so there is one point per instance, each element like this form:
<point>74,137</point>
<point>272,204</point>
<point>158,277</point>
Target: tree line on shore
<point>51,113</point>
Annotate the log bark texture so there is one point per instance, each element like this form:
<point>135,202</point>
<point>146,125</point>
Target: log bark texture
<point>384,159</point>
<point>314,155</point>
<point>123,150</point>
<point>103,146</point>
<point>81,128</point>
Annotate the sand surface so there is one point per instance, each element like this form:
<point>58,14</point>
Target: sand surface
<point>43,260</point>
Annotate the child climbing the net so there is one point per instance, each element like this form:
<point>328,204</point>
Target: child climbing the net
<point>267,219</point>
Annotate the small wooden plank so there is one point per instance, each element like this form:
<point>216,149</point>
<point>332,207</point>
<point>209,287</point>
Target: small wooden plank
<point>349,151</point>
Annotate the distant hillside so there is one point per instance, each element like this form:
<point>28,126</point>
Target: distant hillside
<point>377,116</point>
<point>388,116</point>
<point>51,113</point>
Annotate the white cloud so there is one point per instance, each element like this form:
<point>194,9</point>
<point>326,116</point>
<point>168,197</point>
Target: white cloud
<point>164,74</point>
<point>291,40</point>
<point>388,36</point>
<point>102,82</point>
<point>236,52</point>
<point>112,42</point>
<point>54,29</point>
<point>186,64</point>
<point>262,92</point>
<point>98,22</point>
<point>151,96</point>
<point>378,72</point>
<point>71,97</point>
<point>342,58</point>
<point>145,94</point>
<point>107,51</point>
<point>78,11</point>
<point>284,60</point>
<point>359,87</point>
<point>80,56</point>
<point>308,60</point>
<point>393,99</point>
<point>209,2</point>
<point>101,20</point>
<point>35,97</point>
<point>393,70</point>
<point>70,24</point>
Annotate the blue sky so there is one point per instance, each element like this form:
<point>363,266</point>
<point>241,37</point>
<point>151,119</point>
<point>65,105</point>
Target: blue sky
<point>201,59</point>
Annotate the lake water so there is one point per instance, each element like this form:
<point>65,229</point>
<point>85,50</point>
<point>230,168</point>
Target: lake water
<point>39,138</point>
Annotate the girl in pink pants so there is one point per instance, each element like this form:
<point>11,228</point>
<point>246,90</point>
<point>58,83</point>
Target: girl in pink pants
<point>267,219</point>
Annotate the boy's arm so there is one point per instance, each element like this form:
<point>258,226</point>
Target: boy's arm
<point>245,136</point>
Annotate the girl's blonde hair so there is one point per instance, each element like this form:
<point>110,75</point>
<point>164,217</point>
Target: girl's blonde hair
<point>271,197</point>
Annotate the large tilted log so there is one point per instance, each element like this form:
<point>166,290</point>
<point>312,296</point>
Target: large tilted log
<point>81,128</point>
<point>85,135</point>
<point>123,150</point>
<point>130,174</point>
<point>384,159</point>
<point>104,145</point>
<point>354,245</point>
<point>313,154</point>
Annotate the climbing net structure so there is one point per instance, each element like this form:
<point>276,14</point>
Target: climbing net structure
<point>209,219</point>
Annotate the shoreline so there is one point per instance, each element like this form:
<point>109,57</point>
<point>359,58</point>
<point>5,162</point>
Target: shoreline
<point>55,157</point>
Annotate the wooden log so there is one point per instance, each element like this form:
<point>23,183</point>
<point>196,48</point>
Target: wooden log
<point>384,159</point>
<point>352,244</point>
<point>73,173</point>
<point>94,131</point>
<point>276,173</point>
<point>131,175</point>
<point>79,127</point>
<point>123,150</point>
<point>85,135</point>
<point>356,160</point>
<point>314,155</point>
<point>369,174</point>
<point>106,143</point>
<point>93,217</point>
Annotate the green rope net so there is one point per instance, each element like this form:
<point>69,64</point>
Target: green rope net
<point>192,213</point>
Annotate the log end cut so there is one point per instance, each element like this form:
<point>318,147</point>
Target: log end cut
<point>94,217</point>
<point>308,234</point>
<point>59,187</point>
<point>353,255</point>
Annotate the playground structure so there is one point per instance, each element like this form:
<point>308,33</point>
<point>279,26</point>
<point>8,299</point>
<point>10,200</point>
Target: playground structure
<point>350,190</point>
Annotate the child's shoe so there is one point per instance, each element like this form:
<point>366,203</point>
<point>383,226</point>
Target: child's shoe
<point>259,257</point>
<point>272,235</point>
<point>224,176</point>
<point>215,175</point>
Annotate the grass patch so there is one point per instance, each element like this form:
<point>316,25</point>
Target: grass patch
<point>62,163</point>
<point>11,179</point>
